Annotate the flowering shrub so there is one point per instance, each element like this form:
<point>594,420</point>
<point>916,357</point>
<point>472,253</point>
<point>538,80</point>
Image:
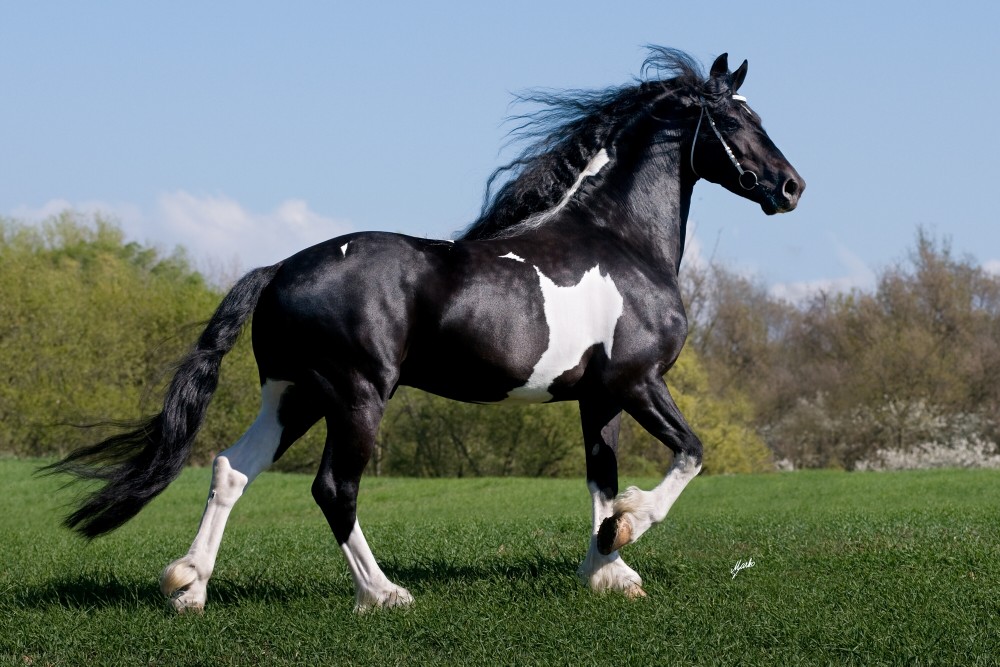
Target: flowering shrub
<point>963,452</point>
<point>892,434</point>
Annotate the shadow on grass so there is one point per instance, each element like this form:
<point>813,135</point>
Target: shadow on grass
<point>90,591</point>
<point>540,573</point>
<point>83,592</point>
<point>429,571</point>
<point>542,570</point>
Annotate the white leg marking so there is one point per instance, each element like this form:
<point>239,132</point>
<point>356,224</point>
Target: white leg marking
<point>578,317</point>
<point>186,579</point>
<point>606,573</point>
<point>372,588</point>
<point>512,256</point>
<point>645,509</point>
<point>343,249</point>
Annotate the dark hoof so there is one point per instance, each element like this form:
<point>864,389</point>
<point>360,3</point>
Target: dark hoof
<point>615,532</point>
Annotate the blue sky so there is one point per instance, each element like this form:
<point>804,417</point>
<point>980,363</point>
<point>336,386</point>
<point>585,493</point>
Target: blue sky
<point>246,131</point>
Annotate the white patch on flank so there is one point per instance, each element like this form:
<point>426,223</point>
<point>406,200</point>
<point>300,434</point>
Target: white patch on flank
<point>578,317</point>
<point>372,588</point>
<point>512,256</point>
<point>186,579</point>
<point>343,249</point>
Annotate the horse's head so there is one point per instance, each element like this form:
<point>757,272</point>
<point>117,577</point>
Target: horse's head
<point>731,148</point>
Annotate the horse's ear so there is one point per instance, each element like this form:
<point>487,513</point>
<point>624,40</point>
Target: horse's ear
<point>739,75</point>
<point>720,67</point>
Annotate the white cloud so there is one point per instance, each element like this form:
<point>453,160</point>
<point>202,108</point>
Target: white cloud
<point>797,292</point>
<point>992,266</point>
<point>859,276</point>
<point>220,226</point>
<point>216,230</point>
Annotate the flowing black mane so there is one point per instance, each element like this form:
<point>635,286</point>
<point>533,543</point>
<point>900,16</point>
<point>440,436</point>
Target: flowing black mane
<point>566,133</point>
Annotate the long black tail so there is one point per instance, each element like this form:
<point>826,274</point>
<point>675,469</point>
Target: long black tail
<point>137,465</point>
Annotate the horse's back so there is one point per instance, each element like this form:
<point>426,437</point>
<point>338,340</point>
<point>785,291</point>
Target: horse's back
<point>458,319</point>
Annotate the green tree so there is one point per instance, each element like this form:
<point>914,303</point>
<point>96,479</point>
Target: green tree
<point>842,375</point>
<point>91,323</point>
<point>88,325</point>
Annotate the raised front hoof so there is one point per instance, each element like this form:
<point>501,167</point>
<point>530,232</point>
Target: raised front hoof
<point>615,532</point>
<point>390,598</point>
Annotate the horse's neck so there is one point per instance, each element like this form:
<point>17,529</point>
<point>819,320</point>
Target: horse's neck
<point>656,198</point>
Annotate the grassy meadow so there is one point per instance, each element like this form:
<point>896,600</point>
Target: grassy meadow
<point>849,569</point>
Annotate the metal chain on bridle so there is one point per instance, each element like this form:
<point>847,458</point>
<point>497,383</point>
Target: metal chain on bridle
<point>748,179</point>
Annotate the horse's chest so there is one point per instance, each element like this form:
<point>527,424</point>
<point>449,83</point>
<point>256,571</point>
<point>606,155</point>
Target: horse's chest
<point>577,317</point>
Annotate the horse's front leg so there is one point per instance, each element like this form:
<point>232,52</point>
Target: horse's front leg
<point>601,422</point>
<point>635,511</point>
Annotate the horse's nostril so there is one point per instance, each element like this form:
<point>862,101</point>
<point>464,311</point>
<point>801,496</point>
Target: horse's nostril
<point>791,187</point>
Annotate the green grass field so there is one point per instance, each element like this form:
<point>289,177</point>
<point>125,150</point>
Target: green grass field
<point>863,569</point>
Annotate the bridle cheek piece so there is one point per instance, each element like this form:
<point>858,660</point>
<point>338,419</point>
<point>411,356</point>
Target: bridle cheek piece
<point>748,179</point>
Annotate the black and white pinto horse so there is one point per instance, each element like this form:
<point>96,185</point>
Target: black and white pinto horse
<point>564,289</point>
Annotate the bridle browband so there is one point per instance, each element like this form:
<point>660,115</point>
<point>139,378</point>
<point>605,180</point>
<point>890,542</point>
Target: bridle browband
<point>748,179</point>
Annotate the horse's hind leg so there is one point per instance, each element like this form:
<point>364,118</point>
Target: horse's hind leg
<point>604,572</point>
<point>351,429</point>
<point>185,580</point>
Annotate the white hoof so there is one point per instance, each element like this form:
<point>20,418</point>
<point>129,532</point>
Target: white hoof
<point>610,573</point>
<point>187,604</point>
<point>386,598</point>
<point>187,591</point>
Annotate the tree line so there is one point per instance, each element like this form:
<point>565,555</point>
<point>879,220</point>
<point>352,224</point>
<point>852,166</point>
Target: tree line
<point>90,323</point>
<point>851,379</point>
